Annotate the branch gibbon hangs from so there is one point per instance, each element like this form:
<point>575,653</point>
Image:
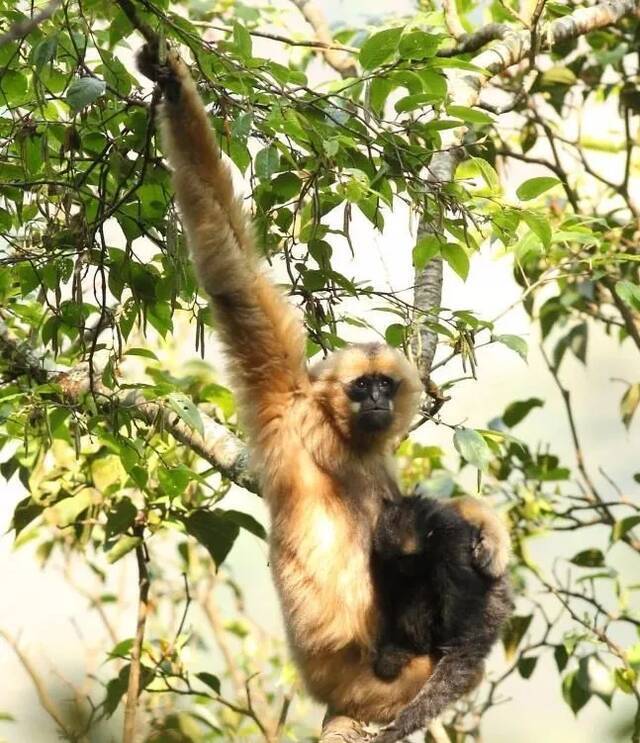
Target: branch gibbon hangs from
<point>321,438</point>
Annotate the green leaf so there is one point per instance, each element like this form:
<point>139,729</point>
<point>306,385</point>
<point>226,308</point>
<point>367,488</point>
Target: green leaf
<point>379,47</point>
<point>561,657</point>
<point>470,115</point>
<point>434,83</point>
<point>145,352</point>
<point>214,531</point>
<point>513,633</point>
<point>379,89</point>
<point>427,247</point>
<point>625,679</point>
<point>534,187</point>
<point>14,85</point>
<point>122,547</point>
<point>242,40</point>
<point>539,225</point>
<point>517,411</point>
<point>526,666</point>
<point>574,693</point>
<point>65,512</point>
<point>213,682</point>
<point>83,91</point>
<point>629,403</point>
<point>44,51</point>
<point>488,174</point>
<point>286,185</point>
<point>456,256</point>
<point>589,558</point>
<point>267,162</point>
<point>184,407</point>
<point>629,293</point>
<point>515,343</point>
<point>411,102</point>
<point>120,518</point>
<point>247,522</point>
<point>620,528</point>
<point>472,447</point>
<point>395,334</point>
<point>24,513</point>
<point>174,481</point>
<point>419,45</point>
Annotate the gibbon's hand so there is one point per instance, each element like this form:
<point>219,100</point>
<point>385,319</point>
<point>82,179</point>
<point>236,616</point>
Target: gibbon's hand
<point>168,74</point>
<point>492,549</point>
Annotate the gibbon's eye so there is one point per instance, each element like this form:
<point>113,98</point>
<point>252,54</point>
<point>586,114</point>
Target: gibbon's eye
<point>386,383</point>
<point>361,383</point>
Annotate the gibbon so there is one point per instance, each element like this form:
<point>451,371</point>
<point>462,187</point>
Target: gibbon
<point>321,438</point>
<point>435,598</point>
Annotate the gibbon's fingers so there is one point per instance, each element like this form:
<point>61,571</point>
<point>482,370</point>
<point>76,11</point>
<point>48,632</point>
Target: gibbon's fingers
<point>493,547</point>
<point>264,338</point>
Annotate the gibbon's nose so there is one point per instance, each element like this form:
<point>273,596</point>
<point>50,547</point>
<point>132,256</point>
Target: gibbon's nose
<point>375,393</point>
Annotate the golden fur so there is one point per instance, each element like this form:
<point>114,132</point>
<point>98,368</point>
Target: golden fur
<point>323,485</point>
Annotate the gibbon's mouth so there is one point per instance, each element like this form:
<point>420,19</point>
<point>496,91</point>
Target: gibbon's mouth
<point>375,419</point>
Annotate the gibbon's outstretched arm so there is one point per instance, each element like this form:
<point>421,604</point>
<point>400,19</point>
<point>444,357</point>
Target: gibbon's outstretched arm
<point>264,338</point>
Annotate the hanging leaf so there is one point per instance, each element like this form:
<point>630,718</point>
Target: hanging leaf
<point>517,411</point>
<point>472,447</point>
<point>534,187</point>
<point>84,91</point>
<point>456,256</point>
<point>214,531</point>
<point>629,403</point>
<point>185,408</point>
<point>515,343</point>
<point>379,47</point>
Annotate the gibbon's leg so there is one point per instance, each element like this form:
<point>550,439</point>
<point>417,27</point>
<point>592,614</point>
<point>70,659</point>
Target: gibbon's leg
<point>493,547</point>
<point>263,336</point>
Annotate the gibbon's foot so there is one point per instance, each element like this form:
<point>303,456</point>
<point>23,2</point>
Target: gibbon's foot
<point>167,75</point>
<point>340,729</point>
<point>387,734</point>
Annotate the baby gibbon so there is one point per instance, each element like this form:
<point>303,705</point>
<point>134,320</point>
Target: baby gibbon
<point>436,598</point>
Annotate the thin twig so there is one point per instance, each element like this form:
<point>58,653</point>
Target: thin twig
<point>41,690</point>
<point>22,28</point>
<point>135,668</point>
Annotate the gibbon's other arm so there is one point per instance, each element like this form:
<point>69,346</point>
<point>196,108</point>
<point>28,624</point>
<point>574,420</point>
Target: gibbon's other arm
<point>264,338</point>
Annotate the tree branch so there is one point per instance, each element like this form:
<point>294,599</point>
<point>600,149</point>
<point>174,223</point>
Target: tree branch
<point>314,16</point>
<point>46,702</point>
<point>18,30</point>
<point>135,668</point>
<point>512,48</point>
<point>217,445</point>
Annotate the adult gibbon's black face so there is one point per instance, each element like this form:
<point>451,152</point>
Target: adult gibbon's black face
<point>371,398</point>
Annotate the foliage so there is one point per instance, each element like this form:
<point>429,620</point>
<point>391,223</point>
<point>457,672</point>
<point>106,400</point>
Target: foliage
<point>95,280</point>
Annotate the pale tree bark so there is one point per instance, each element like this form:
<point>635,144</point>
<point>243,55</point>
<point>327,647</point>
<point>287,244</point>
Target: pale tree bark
<point>513,47</point>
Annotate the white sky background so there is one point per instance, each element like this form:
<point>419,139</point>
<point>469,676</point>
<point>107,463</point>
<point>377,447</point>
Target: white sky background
<point>51,617</point>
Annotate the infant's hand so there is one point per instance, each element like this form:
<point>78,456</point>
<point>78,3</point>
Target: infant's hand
<point>492,548</point>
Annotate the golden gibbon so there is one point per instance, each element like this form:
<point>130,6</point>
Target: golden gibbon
<point>321,438</point>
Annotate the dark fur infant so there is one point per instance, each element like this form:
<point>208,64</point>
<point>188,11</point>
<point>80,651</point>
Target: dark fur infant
<point>434,593</point>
